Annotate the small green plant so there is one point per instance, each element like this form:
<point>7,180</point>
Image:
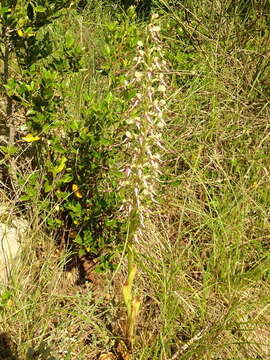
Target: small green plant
<point>5,298</point>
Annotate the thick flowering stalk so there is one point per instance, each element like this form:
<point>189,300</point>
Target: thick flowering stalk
<point>144,122</point>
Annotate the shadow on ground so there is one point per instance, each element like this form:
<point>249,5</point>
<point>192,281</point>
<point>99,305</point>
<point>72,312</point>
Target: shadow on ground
<point>7,351</point>
<point>43,352</point>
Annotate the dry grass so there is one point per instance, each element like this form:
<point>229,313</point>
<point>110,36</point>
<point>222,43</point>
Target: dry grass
<point>48,308</point>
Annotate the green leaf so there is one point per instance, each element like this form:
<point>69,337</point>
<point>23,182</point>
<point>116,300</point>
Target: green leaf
<point>61,194</point>
<point>67,178</point>
<point>4,149</point>
<point>78,240</point>
<point>33,178</point>
<point>24,197</point>
<point>62,165</point>
<point>69,41</point>
<point>54,223</point>
<point>12,149</point>
<point>82,252</point>
<point>4,10</point>
<point>47,187</point>
<point>40,9</point>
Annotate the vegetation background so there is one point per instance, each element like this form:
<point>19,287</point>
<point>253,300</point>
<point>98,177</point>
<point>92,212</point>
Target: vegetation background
<point>203,255</point>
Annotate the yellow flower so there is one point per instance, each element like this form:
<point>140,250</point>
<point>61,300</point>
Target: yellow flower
<point>20,33</point>
<point>9,303</point>
<point>77,191</point>
<point>30,138</point>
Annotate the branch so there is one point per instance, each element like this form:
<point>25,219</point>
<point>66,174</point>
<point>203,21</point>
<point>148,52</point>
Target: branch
<point>2,53</point>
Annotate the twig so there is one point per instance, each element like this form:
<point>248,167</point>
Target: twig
<point>189,343</point>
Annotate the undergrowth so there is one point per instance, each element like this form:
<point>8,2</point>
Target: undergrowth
<point>203,253</point>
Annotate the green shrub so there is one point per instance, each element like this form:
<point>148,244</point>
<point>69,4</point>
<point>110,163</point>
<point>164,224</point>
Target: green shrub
<point>73,182</point>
